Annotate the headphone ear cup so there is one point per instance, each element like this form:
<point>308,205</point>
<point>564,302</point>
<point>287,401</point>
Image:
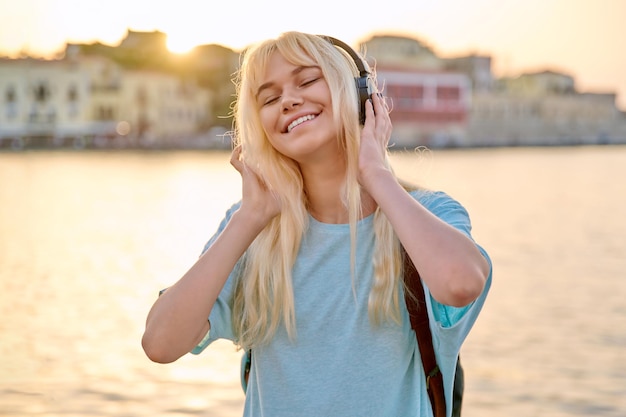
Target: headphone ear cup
<point>364,90</point>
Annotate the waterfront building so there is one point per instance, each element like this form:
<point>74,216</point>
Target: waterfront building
<point>92,101</point>
<point>476,67</point>
<point>477,109</point>
<point>401,51</point>
<point>538,84</point>
<point>430,104</point>
<point>544,108</point>
<point>137,94</point>
<point>161,110</point>
<point>428,108</point>
<point>42,101</point>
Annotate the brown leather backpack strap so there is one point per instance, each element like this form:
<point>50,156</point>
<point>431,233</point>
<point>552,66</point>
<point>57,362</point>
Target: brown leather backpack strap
<point>418,313</point>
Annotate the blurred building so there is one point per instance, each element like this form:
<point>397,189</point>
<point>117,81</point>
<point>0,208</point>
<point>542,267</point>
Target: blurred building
<point>428,108</point>
<point>146,43</point>
<point>544,108</point>
<point>430,103</point>
<point>213,67</point>
<point>138,94</point>
<point>91,101</point>
<point>42,101</point>
<point>400,51</point>
<point>476,67</point>
<point>459,102</point>
<point>161,110</point>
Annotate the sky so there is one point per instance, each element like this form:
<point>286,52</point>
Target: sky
<point>581,38</point>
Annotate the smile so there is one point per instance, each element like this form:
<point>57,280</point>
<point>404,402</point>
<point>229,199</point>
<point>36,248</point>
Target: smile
<point>299,121</point>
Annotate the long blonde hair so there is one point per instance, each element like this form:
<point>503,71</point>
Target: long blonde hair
<point>263,297</point>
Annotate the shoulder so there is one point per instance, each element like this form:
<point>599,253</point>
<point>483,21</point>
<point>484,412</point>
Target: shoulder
<point>433,199</point>
<point>444,206</point>
<point>229,214</point>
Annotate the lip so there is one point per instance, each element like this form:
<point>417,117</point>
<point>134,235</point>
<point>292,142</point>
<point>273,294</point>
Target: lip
<point>296,117</point>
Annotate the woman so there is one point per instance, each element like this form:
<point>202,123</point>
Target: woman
<point>306,270</point>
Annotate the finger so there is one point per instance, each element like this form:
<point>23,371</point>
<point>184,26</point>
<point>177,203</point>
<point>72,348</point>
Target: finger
<point>369,112</point>
<point>381,107</point>
<point>235,159</point>
<point>383,121</point>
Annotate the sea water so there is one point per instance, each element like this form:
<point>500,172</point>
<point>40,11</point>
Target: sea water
<point>87,239</point>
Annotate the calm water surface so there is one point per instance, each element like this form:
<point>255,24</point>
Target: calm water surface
<point>88,239</point>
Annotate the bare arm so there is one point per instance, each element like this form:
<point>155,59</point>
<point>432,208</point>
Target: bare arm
<point>178,321</point>
<point>448,261</point>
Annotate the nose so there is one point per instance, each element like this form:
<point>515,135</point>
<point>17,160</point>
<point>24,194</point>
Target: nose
<point>290,100</point>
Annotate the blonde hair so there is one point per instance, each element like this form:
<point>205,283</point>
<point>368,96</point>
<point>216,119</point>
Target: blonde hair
<point>263,297</point>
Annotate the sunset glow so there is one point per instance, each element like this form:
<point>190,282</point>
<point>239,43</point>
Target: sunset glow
<point>582,39</point>
<point>180,45</point>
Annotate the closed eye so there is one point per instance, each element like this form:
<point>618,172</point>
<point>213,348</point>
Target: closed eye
<point>309,81</point>
<point>270,100</point>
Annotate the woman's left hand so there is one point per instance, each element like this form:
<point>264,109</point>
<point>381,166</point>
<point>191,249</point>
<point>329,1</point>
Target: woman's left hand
<point>374,139</point>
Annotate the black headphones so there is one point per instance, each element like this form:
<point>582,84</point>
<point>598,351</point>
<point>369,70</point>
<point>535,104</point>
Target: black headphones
<point>363,82</point>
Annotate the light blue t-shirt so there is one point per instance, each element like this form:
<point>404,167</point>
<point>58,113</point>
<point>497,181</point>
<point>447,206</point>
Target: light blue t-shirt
<point>340,364</point>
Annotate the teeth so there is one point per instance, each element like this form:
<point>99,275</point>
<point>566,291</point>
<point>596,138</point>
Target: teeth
<point>298,121</point>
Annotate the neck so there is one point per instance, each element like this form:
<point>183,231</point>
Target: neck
<point>324,188</point>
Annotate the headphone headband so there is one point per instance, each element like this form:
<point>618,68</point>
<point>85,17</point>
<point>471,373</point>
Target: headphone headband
<point>363,72</point>
<point>363,81</point>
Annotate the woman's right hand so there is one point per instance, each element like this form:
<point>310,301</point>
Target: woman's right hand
<point>178,319</point>
<point>257,201</point>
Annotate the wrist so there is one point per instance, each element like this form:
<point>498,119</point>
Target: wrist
<point>372,176</point>
<point>255,220</point>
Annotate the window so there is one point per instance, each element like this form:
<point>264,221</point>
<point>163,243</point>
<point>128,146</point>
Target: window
<point>142,96</point>
<point>72,98</point>
<point>10,96</point>
<point>10,99</point>
<point>104,113</point>
<point>42,93</point>
<point>448,93</point>
<point>406,96</point>
<point>72,94</point>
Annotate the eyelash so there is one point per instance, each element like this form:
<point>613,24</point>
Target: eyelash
<point>270,101</point>
<point>305,83</point>
<point>309,82</point>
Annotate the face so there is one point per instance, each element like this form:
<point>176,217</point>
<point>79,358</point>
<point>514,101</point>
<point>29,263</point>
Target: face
<point>295,106</point>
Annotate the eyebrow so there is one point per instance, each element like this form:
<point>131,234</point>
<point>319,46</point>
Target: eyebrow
<point>269,84</point>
